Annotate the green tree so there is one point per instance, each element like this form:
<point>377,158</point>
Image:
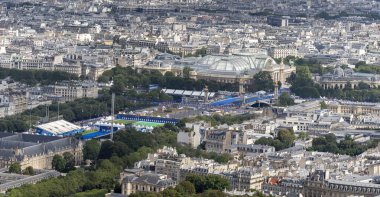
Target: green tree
<point>186,72</point>
<point>323,105</point>
<point>69,161</point>
<point>203,183</point>
<point>58,163</point>
<point>121,148</point>
<point>214,193</point>
<point>216,182</point>
<point>306,92</point>
<point>285,100</point>
<point>363,86</point>
<point>171,127</point>
<point>118,87</point>
<point>263,81</point>
<point>264,141</point>
<point>170,192</point>
<point>360,63</point>
<point>181,124</point>
<point>68,114</point>
<point>319,141</point>
<point>103,79</point>
<point>145,194</point>
<point>91,193</point>
<point>185,188</point>
<point>286,136</point>
<point>32,77</point>
<point>198,181</point>
<point>302,83</point>
<point>20,126</point>
<point>15,168</point>
<point>29,171</point>
<point>330,138</point>
<point>91,150</point>
<point>223,158</point>
<point>285,139</point>
<point>106,150</point>
<point>303,135</point>
<point>348,146</point>
<point>303,72</point>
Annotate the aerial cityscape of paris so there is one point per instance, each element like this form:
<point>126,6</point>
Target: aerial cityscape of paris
<point>189,98</point>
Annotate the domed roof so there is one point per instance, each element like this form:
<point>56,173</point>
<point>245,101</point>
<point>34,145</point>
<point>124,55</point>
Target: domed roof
<point>237,62</point>
<point>230,64</point>
<point>209,59</point>
<point>257,61</point>
<point>339,72</point>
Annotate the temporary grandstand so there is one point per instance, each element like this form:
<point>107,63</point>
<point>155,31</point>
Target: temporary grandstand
<point>239,100</point>
<point>136,118</point>
<point>59,128</point>
<point>106,126</point>
<point>188,93</point>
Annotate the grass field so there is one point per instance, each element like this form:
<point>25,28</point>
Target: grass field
<point>138,123</point>
<point>89,131</point>
<point>148,124</point>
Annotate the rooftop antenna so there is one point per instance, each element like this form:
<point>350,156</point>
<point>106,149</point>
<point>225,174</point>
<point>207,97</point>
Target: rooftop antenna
<point>47,112</point>
<point>112,114</point>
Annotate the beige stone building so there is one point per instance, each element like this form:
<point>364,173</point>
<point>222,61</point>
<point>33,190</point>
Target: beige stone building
<point>374,169</point>
<point>135,180</point>
<point>170,167</point>
<point>69,68</point>
<point>234,142</point>
<point>71,90</point>
<point>183,49</point>
<point>355,108</point>
<point>319,184</point>
<point>177,167</point>
<point>19,101</point>
<point>218,141</point>
<point>12,103</point>
<point>283,52</point>
<point>194,137</point>
<point>36,150</point>
<point>347,78</point>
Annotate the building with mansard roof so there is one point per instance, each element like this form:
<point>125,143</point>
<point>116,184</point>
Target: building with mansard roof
<point>346,78</point>
<point>36,150</point>
<point>138,181</point>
